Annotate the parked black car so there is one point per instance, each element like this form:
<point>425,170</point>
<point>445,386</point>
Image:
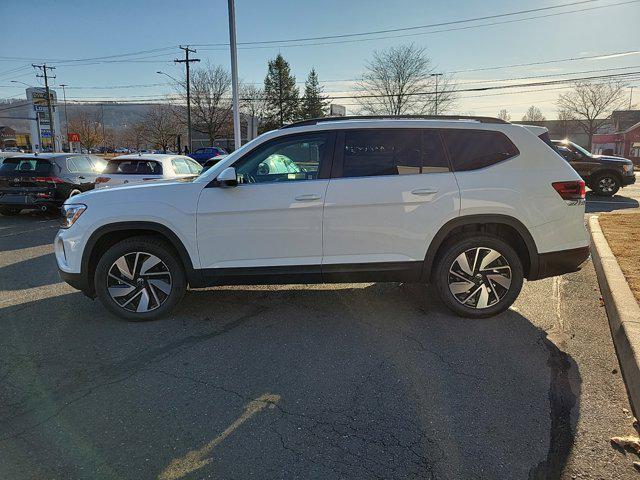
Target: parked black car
<point>44,181</point>
<point>603,174</point>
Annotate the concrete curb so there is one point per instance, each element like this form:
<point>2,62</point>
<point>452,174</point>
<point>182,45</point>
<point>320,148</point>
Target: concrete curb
<point>622,309</point>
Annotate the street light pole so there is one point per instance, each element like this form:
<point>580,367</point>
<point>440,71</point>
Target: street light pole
<point>237,140</point>
<point>66,118</point>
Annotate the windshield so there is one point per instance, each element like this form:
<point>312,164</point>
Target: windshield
<point>580,149</point>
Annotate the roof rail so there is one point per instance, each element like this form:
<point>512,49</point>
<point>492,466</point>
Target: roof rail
<point>315,121</point>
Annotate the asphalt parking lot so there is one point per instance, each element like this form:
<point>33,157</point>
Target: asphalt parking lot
<point>322,381</point>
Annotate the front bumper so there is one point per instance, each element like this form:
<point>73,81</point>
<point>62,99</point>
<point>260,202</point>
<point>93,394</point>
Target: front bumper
<point>78,281</point>
<point>628,180</point>
<point>560,262</point>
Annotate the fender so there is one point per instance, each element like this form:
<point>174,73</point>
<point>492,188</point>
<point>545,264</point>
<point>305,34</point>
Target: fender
<point>193,275</point>
<point>457,222</point>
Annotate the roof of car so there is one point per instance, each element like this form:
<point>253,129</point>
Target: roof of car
<point>46,156</point>
<point>158,157</point>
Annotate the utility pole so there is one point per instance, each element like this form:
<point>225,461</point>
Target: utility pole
<point>43,68</point>
<point>237,139</point>
<point>66,119</point>
<point>436,75</point>
<point>187,61</point>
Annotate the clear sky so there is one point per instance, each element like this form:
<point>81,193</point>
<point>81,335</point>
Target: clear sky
<point>43,30</point>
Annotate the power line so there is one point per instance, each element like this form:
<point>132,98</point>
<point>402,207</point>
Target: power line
<point>402,29</point>
<point>534,17</point>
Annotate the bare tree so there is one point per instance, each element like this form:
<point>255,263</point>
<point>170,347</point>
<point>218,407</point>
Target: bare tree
<point>162,126</point>
<point>253,102</point>
<point>87,125</point>
<point>135,135</point>
<point>401,81</point>
<point>504,115</point>
<point>590,104</point>
<point>210,100</point>
<point>564,116</point>
<point>534,114</point>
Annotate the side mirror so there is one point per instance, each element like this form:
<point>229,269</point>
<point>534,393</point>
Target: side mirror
<point>228,178</point>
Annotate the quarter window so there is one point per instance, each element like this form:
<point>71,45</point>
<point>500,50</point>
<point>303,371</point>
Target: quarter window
<point>287,159</point>
<point>473,149</point>
<point>180,166</point>
<point>392,152</point>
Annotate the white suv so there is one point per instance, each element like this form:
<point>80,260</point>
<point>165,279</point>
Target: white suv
<point>472,205</point>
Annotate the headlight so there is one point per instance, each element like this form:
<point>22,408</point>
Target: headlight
<point>627,167</point>
<point>71,213</point>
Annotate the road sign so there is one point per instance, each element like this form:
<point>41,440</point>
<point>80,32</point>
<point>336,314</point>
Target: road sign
<point>73,137</point>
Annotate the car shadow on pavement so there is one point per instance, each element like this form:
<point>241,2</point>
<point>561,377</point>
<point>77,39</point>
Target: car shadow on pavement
<point>27,230</point>
<point>35,272</point>
<point>597,204</point>
<point>372,381</point>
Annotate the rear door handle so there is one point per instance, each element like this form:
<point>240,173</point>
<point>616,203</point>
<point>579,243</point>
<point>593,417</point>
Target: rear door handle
<point>308,198</point>
<point>424,191</point>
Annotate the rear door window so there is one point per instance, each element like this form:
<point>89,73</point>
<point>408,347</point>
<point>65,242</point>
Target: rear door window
<point>392,152</point>
<point>474,149</point>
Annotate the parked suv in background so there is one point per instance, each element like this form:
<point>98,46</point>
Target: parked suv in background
<point>471,205</point>
<point>44,181</point>
<point>603,174</point>
<point>201,155</point>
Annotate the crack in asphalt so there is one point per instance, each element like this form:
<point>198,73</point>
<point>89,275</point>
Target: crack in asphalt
<point>125,369</point>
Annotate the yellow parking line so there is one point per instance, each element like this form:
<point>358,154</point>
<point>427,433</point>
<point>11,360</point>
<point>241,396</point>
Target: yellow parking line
<point>196,459</point>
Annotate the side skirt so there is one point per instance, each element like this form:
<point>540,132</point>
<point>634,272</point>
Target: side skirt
<point>339,273</point>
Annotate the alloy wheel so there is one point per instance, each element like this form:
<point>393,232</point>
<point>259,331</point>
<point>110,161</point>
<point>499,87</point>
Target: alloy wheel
<point>139,282</point>
<point>479,277</point>
<point>607,184</point>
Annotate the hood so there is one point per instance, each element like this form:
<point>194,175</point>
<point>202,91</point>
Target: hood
<point>609,158</point>
<point>132,190</point>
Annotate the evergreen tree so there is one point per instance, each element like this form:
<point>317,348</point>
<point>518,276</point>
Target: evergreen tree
<point>282,97</point>
<point>314,102</point>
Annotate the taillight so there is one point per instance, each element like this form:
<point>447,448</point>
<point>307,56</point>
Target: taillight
<point>102,179</point>
<point>48,179</point>
<point>574,190</point>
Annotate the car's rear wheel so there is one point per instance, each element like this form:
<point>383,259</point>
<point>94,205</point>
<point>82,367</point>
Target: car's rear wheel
<point>605,184</point>
<point>478,275</point>
<point>9,211</point>
<point>140,279</point>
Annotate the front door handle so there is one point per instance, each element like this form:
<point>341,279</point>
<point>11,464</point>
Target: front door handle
<point>308,198</point>
<point>424,191</point>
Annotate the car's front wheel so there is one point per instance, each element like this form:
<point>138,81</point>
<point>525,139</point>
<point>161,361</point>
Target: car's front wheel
<point>605,184</point>
<point>478,275</point>
<point>140,279</point>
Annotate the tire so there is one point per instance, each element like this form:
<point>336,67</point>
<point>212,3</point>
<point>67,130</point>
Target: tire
<point>9,211</point>
<point>605,184</point>
<point>140,289</point>
<point>483,294</point>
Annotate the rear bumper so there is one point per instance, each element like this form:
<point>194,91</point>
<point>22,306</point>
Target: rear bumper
<point>560,262</point>
<point>28,201</point>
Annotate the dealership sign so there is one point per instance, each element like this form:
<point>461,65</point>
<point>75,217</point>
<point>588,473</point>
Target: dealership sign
<point>73,137</point>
